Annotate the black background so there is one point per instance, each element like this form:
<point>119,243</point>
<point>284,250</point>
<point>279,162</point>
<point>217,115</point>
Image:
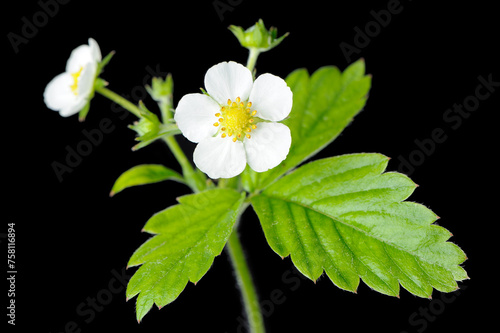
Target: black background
<point>71,237</point>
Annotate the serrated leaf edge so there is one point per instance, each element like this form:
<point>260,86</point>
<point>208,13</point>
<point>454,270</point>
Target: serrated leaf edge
<point>141,314</point>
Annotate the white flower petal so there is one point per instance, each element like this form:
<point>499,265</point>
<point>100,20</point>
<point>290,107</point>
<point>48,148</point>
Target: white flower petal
<point>268,146</point>
<point>86,80</point>
<point>271,97</point>
<point>228,80</point>
<point>95,50</point>
<point>79,58</point>
<point>220,158</point>
<point>71,109</point>
<point>195,116</point>
<point>58,95</point>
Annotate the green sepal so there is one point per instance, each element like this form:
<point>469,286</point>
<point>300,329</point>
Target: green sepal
<point>163,131</point>
<point>82,114</point>
<point>98,83</point>
<point>161,89</point>
<point>104,62</point>
<point>149,128</point>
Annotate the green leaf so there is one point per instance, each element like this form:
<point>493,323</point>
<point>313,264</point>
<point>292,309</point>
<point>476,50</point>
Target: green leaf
<point>144,174</point>
<point>323,105</point>
<point>345,216</point>
<point>188,237</point>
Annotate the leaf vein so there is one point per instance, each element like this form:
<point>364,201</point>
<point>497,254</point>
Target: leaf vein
<point>356,257</point>
<point>325,251</point>
<point>359,230</point>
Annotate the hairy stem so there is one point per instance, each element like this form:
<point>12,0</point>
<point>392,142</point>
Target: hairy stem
<point>245,283</point>
<point>235,250</point>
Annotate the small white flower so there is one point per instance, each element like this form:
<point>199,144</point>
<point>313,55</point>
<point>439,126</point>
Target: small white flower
<point>68,92</point>
<point>237,123</point>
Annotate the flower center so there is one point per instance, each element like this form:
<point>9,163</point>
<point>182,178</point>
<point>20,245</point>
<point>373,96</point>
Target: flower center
<point>236,120</point>
<point>75,76</point>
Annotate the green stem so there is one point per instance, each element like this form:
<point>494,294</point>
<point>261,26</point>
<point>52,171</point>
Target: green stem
<point>240,266</point>
<point>123,102</point>
<point>252,58</point>
<point>165,106</point>
<point>245,283</point>
<point>193,179</point>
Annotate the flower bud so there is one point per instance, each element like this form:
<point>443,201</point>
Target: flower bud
<point>147,127</point>
<point>257,36</point>
<point>161,89</point>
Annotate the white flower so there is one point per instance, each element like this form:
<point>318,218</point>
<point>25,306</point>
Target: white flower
<point>68,92</point>
<point>236,123</point>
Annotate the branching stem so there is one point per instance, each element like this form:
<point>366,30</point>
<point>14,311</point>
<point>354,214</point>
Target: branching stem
<point>193,179</point>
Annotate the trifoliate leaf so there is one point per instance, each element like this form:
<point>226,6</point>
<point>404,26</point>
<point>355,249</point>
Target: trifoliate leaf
<point>188,237</point>
<point>144,174</point>
<point>344,216</point>
<point>323,105</point>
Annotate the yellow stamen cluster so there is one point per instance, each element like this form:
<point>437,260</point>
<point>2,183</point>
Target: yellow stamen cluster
<point>75,76</point>
<point>236,120</point>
